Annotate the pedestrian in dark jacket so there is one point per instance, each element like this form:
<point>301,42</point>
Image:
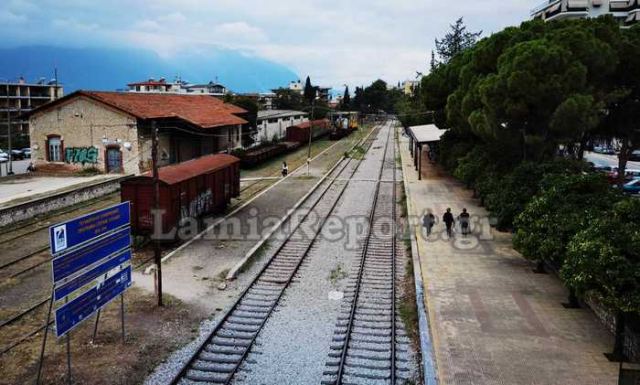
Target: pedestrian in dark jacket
<point>428,221</point>
<point>464,221</point>
<point>448,220</point>
<point>285,169</point>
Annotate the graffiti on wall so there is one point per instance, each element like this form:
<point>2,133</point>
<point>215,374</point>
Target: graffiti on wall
<point>81,155</point>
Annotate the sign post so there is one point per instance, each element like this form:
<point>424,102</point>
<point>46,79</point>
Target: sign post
<point>91,266</point>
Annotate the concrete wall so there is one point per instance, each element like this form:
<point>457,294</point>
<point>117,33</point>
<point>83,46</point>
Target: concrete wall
<point>82,124</point>
<point>229,137</point>
<point>21,212</point>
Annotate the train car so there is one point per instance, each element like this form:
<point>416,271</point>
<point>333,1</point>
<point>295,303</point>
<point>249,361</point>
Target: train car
<point>300,132</point>
<point>193,189</point>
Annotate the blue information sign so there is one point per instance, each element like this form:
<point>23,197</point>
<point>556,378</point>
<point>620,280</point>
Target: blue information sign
<point>67,235</point>
<point>68,264</point>
<point>91,275</point>
<point>71,314</point>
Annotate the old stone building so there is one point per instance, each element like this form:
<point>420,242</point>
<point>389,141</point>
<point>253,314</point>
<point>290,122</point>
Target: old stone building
<point>111,131</point>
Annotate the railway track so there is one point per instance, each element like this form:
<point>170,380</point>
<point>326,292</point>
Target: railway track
<point>370,339</point>
<point>218,359</point>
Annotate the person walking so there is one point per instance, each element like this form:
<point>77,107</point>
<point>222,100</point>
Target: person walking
<point>428,221</point>
<point>464,222</point>
<point>448,220</point>
<point>285,169</point>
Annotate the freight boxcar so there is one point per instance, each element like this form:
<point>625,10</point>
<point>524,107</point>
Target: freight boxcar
<point>193,189</point>
<point>300,132</point>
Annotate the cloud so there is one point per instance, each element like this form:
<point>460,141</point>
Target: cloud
<point>352,42</point>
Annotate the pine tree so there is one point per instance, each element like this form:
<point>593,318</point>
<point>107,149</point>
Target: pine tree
<point>309,91</point>
<point>346,99</point>
<point>456,41</point>
<point>434,62</point>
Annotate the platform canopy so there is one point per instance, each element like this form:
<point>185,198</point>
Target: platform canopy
<point>427,133</point>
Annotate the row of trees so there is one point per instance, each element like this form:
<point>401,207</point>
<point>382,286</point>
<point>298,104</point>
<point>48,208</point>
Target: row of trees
<point>521,107</point>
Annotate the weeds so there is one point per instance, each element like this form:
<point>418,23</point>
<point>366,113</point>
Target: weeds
<point>337,274</point>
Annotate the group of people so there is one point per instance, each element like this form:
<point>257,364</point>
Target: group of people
<point>429,220</point>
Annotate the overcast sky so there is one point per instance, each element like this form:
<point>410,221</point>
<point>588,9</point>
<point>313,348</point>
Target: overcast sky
<point>335,42</point>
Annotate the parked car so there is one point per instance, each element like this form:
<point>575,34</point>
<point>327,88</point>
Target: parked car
<point>632,187</point>
<point>604,150</point>
<point>635,156</point>
<point>17,155</point>
<point>26,152</point>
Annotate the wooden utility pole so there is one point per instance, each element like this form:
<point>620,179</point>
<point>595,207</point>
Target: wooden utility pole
<point>156,205</point>
<point>313,104</point>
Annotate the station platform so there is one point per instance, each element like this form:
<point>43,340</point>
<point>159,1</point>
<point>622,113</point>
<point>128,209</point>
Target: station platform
<point>492,320</point>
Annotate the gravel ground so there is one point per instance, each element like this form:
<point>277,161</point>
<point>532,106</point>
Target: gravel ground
<point>214,299</point>
<point>300,333</point>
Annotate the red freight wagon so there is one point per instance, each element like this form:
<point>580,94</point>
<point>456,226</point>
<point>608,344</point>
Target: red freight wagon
<point>300,132</point>
<point>193,188</point>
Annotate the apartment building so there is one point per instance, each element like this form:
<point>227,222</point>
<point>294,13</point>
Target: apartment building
<point>20,97</point>
<point>162,86</point>
<point>627,12</point>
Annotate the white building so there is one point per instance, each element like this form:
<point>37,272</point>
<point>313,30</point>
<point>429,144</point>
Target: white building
<point>177,87</point>
<point>272,124</point>
<point>625,11</point>
<point>297,86</point>
<point>211,88</point>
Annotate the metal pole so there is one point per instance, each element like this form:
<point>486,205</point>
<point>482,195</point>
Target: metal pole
<point>156,205</point>
<point>95,327</point>
<point>122,315</point>
<point>313,104</point>
<point>69,357</point>
<point>44,340</point>
<point>10,169</point>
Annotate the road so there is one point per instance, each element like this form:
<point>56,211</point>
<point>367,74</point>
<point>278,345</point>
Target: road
<point>608,160</point>
<point>19,167</point>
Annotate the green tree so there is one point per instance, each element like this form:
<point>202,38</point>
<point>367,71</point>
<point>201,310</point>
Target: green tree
<point>565,205</point>
<point>309,92</point>
<point>287,99</point>
<point>623,102</point>
<point>376,96</point>
<point>346,99</point>
<point>455,41</point>
<point>604,260</point>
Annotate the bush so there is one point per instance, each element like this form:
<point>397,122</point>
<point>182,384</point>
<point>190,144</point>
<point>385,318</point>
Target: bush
<point>566,205</point>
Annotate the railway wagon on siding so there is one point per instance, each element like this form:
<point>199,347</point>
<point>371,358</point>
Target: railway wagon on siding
<point>194,188</point>
<point>300,132</point>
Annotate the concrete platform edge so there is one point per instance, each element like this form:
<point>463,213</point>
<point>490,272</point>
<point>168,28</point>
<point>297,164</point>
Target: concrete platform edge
<point>429,364</point>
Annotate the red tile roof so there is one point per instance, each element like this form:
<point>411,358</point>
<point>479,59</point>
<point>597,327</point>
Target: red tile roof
<point>201,110</point>
<point>179,172</point>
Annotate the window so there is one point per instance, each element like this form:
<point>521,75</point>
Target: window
<point>54,149</point>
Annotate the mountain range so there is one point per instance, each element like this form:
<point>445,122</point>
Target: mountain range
<point>112,68</point>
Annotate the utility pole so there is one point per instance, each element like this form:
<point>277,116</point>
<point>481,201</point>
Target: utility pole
<point>313,104</point>
<point>156,205</point>
<point>10,170</point>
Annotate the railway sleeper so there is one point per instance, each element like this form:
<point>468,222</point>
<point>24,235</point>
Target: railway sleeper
<point>239,327</point>
<point>207,366</point>
<point>368,364</point>
<point>220,358</point>
<point>239,335</point>
<point>227,350</point>
<point>208,377</point>
<point>369,374</point>
<point>245,322</point>
<point>226,341</point>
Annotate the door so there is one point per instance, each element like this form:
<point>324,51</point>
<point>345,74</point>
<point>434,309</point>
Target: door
<point>114,160</point>
<point>55,149</point>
